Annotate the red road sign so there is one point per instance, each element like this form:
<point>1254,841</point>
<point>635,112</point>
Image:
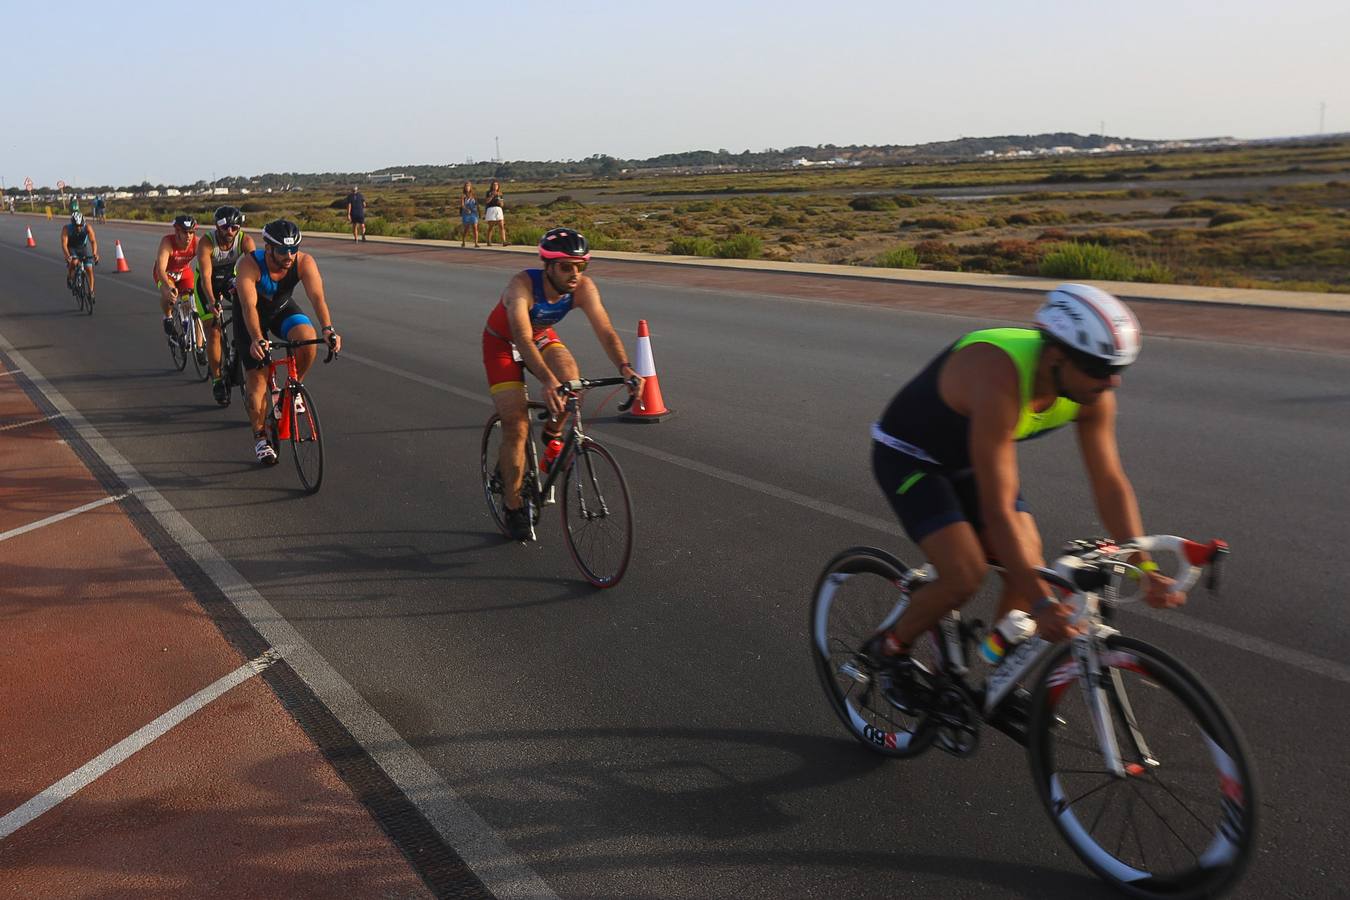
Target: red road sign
<point>28,184</point>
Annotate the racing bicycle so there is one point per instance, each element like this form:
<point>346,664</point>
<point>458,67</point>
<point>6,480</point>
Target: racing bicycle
<point>597,511</point>
<point>1140,767</point>
<point>231,366</point>
<point>79,286</point>
<point>291,415</point>
<point>188,340</point>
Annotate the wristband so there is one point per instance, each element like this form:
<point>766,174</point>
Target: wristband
<point>1148,565</point>
<point>1042,605</point>
<point>327,329</point>
<point>623,364</point>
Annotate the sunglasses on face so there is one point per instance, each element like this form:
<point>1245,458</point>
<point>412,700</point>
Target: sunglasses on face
<point>285,251</point>
<point>227,227</point>
<point>572,266</point>
<point>1093,367</point>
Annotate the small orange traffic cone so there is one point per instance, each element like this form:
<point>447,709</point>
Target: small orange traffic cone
<point>31,242</point>
<point>121,260</point>
<point>650,407</point>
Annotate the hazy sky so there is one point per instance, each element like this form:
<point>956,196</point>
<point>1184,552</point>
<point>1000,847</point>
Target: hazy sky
<point>117,93</point>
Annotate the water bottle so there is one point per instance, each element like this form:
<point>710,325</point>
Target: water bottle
<point>551,451</point>
<point>1011,630</point>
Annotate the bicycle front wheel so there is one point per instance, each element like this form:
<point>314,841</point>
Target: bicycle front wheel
<point>597,515</point>
<point>1181,821</point>
<point>78,289</point>
<point>198,347</point>
<point>856,596</point>
<point>306,439</point>
<point>178,342</point>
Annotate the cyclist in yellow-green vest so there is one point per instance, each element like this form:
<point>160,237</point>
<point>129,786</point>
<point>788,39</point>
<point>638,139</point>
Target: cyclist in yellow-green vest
<point>944,453</point>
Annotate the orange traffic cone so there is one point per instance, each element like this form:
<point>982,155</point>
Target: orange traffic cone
<point>31,242</point>
<point>650,407</point>
<point>121,260</point>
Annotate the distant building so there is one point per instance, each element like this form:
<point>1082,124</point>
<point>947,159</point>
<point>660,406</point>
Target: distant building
<point>172,192</point>
<point>392,176</point>
<point>220,191</point>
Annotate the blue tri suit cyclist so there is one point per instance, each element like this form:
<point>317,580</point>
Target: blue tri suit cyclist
<point>217,253</point>
<point>80,246</point>
<point>264,283</point>
<point>944,455</point>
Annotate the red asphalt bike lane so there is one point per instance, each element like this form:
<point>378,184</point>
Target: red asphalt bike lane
<point>99,639</point>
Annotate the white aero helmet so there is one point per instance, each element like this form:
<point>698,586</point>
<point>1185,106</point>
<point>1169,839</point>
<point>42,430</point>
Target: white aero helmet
<point>1092,322</point>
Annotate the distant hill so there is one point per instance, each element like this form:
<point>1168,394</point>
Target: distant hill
<point>692,161</point>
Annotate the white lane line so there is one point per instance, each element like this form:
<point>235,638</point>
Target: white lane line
<point>1299,659</point>
<point>503,872</point>
<point>11,372</point>
<point>14,425</point>
<point>120,752</point>
<point>52,520</point>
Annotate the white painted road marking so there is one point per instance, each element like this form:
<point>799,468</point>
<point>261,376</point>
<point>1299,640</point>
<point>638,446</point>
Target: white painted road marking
<point>120,752</point>
<point>52,520</point>
<point>14,425</point>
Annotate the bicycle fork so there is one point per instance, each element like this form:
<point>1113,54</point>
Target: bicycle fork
<point>1105,698</point>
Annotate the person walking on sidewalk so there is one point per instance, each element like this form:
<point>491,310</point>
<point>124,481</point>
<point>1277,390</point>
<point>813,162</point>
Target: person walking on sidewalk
<point>468,214</point>
<point>356,214</point>
<point>493,214</point>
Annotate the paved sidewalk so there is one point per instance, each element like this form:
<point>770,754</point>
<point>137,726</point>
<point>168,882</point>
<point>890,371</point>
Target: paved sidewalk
<point>144,756</point>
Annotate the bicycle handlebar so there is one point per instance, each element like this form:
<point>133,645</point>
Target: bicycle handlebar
<point>583,384</point>
<point>291,345</point>
<point>1073,572</point>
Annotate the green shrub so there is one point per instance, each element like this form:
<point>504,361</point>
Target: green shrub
<point>938,254</point>
<point>1091,261</point>
<point>525,234</point>
<point>740,246</point>
<point>438,230</point>
<point>909,201</point>
<point>1112,237</point>
<point>902,257</point>
<point>1194,211</point>
<point>1228,217</point>
<point>1154,273</point>
<point>872,203</point>
<point>378,225</point>
<point>692,246</point>
<point>249,206</point>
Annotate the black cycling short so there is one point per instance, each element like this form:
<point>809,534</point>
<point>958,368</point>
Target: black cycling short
<point>927,497</point>
<point>278,324</point>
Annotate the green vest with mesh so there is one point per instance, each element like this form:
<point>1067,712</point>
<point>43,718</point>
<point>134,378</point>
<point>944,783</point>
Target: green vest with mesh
<point>1024,346</point>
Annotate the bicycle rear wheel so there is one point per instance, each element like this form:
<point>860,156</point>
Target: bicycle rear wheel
<point>197,347</point>
<point>856,596</point>
<point>597,515</point>
<point>492,479</point>
<point>88,299</point>
<point>1181,823</point>
<point>306,439</point>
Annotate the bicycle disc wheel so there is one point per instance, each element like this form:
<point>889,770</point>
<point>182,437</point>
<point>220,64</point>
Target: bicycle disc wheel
<point>856,596</point>
<point>1181,823</point>
<point>597,515</point>
<point>198,351</point>
<point>306,439</point>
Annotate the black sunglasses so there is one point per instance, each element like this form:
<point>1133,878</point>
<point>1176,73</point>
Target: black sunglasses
<point>289,251</point>
<point>1092,366</point>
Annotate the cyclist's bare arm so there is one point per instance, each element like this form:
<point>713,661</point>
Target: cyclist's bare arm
<point>1112,491</point>
<point>204,268</point>
<point>168,290</point>
<point>313,284</point>
<point>93,242</point>
<point>65,243</point>
<point>986,384</point>
<point>246,290</point>
<point>587,299</point>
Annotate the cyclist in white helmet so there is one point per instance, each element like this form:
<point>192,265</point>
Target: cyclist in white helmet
<point>944,453</point>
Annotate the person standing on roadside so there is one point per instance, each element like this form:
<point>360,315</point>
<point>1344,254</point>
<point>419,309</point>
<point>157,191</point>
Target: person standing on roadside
<point>356,214</point>
<point>494,214</point>
<point>468,214</point>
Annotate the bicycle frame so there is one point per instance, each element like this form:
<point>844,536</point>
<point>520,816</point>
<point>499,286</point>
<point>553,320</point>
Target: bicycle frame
<point>573,435</point>
<point>285,409</point>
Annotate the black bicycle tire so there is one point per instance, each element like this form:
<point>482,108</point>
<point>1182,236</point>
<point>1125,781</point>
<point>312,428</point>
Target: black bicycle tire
<point>856,561</point>
<point>580,457</point>
<point>88,299</point>
<point>1238,815</point>
<point>177,348</point>
<point>201,366</point>
<point>311,415</point>
<point>78,289</point>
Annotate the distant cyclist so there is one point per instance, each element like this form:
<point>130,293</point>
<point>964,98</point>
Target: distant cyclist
<point>944,455</point>
<point>217,253</point>
<point>519,336</point>
<point>265,282</point>
<point>79,244</point>
<point>173,266</point>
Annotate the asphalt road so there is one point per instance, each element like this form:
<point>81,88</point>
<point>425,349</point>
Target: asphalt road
<point>668,738</point>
